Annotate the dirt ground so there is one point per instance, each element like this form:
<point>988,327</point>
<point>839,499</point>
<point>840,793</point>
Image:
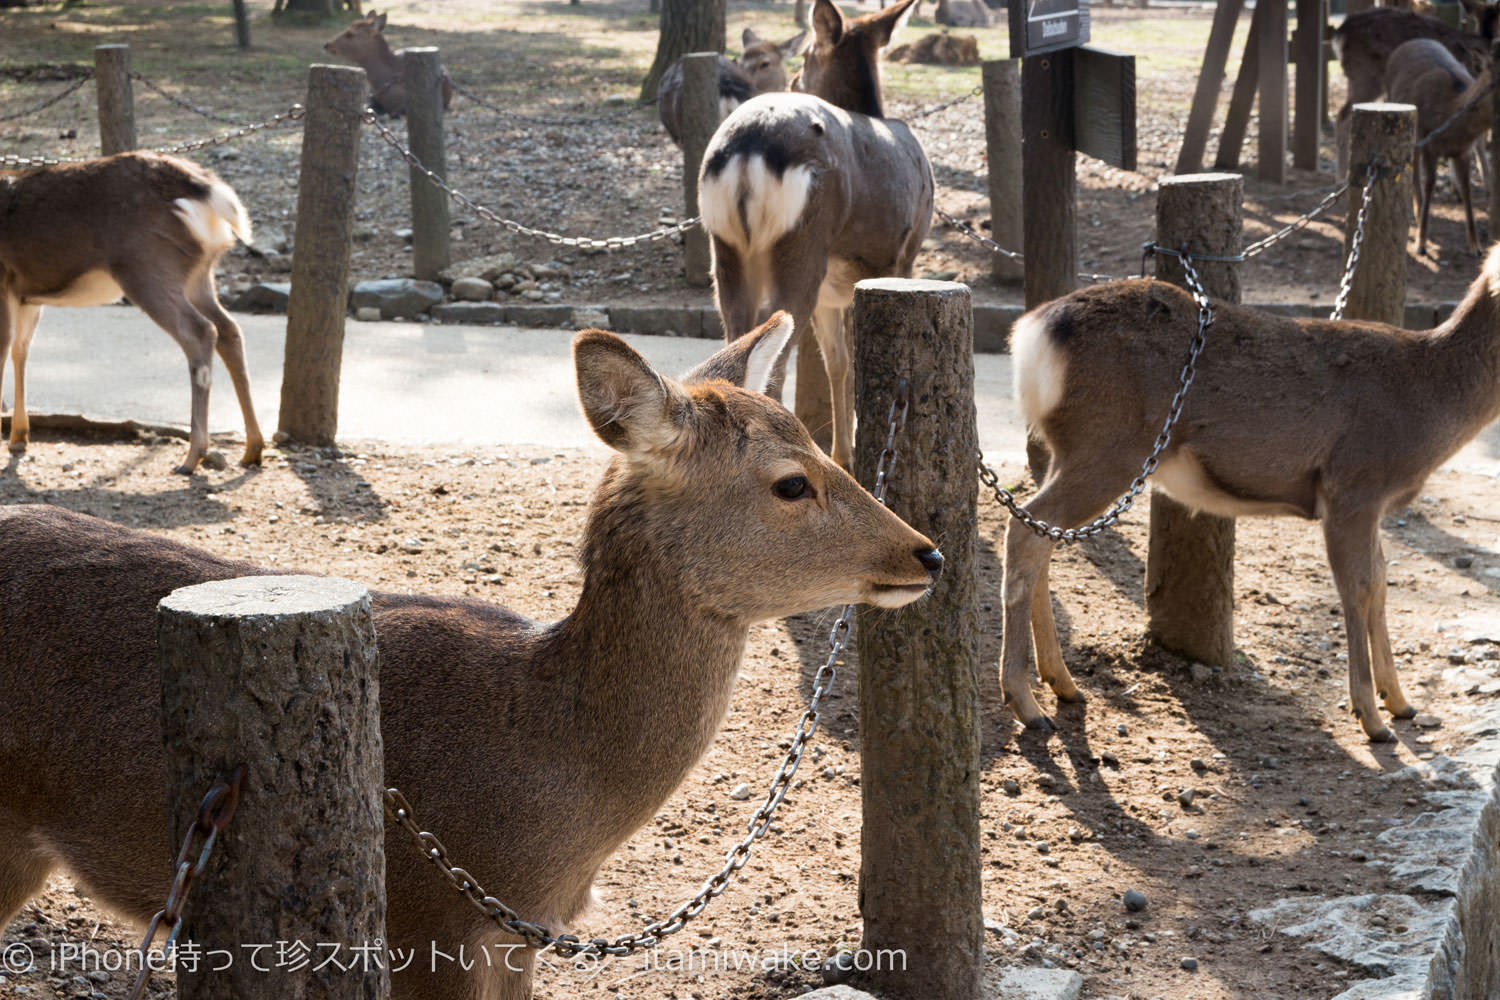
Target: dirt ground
<point>1286,797</point>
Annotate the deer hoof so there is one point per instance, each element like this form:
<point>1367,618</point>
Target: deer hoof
<point>185,469</point>
<point>1409,712</point>
<point>1041,724</point>
<point>1383,735</point>
<point>18,447</point>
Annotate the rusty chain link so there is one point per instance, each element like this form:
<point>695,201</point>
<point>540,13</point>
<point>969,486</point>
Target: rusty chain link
<point>49,101</point>
<point>1006,497</point>
<point>582,242</point>
<point>569,945</point>
<point>214,815</point>
<point>296,113</point>
<point>1346,283</point>
<point>181,102</point>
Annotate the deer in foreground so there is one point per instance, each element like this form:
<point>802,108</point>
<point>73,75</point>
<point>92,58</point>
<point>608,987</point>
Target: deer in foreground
<point>148,226</point>
<point>761,69</point>
<point>718,511</point>
<point>1424,73</point>
<point>363,42</point>
<point>803,194</point>
<point>1338,421</point>
<point>1365,41</point>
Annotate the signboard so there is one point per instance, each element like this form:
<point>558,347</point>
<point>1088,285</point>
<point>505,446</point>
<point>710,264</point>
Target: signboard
<point>1104,106</point>
<point>1038,26</point>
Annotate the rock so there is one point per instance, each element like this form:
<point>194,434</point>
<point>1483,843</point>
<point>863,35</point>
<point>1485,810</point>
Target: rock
<point>1011,786</point>
<point>1200,672</point>
<point>367,314</point>
<point>1185,797</point>
<point>740,793</point>
<point>1190,963</point>
<point>591,318</point>
<point>268,240</point>
<point>837,993</point>
<point>1427,721</point>
<point>267,296</point>
<point>1036,984</point>
<point>1134,900</point>
<point>216,461</point>
<point>489,267</point>
<point>1463,561</point>
<point>397,298</point>
<point>472,290</point>
<point>838,969</point>
<point>663,321</point>
<point>476,313</point>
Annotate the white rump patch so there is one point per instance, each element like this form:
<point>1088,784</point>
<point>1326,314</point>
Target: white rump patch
<point>216,222</point>
<point>1037,368</point>
<point>773,205</point>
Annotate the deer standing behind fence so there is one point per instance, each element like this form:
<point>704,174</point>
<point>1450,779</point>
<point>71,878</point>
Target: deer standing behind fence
<point>761,69</point>
<point>806,193</point>
<point>143,225</point>
<point>534,751</point>
<point>1424,73</point>
<point>363,42</point>
<point>1338,421</point>
<point>1365,41</point>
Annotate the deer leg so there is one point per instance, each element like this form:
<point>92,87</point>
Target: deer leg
<point>1427,164</point>
<point>23,327</point>
<point>833,340</point>
<point>1049,658</point>
<point>1466,192</point>
<point>736,293</point>
<point>24,867</point>
<point>1382,663</point>
<point>230,345</point>
<point>165,302</point>
<point>1359,573</point>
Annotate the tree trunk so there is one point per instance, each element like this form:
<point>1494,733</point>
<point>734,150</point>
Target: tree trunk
<point>316,8</point>
<point>686,26</point>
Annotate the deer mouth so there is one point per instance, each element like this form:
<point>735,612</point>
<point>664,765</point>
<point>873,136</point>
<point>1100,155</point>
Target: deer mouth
<point>895,595</point>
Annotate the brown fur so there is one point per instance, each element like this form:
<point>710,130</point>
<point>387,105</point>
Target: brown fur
<point>1342,421</point>
<point>532,750</point>
<point>760,69</point>
<point>939,49</point>
<point>363,42</point>
<point>83,233</point>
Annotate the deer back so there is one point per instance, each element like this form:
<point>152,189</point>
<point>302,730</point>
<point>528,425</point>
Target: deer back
<point>1424,73</point>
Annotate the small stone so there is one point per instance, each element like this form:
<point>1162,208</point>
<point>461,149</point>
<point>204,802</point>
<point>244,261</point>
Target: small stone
<point>1036,913</point>
<point>1043,847</point>
<point>838,969</point>
<point>740,793</point>
<point>1198,765</point>
<point>1011,786</point>
<point>216,461</point>
<point>1134,900</point>
<point>1427,721</point>
<point>1190,963</point>
<point>1200,673</point>
<point>473,290</point>
<point>1122,730</point>
<point>1185,797</point>
<point>367,314</point>
<point>1463,560</point>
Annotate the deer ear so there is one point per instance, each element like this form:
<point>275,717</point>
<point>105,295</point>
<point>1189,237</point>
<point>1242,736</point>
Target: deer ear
<point>749,361</point>
<point>632,408</point>
<point>827,22</point>
<point>792,46</point>
<point>748,37</point>
<point>378,20</point>
<point>892,19</point>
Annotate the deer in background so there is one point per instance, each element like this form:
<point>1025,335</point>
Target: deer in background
<point>761,69</point>
<point>148,226</point>
<point>1338,421</point>
<point>1424,73</point>
<point>718,511</point>
<point>803,194</point>
<point>1365,41</point>
<point>363,42</point>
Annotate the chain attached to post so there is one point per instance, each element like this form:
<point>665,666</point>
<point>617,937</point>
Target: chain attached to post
<point>1346,283</point>
<point>569,945</point>
<point>214,815</point>
<point>1007,498</point>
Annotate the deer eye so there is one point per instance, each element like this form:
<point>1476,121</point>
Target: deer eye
<point>794,488</point>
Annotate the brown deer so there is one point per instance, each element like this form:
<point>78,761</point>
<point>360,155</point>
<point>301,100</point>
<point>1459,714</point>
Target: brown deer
<point>1339,421</point>
<point>717,512</point>
<point>761,69</point>
<point>144,225</point>
<point>1365,41</point>
<point>363,42</point>
<point>1424,73</point>
<point>806,193</point>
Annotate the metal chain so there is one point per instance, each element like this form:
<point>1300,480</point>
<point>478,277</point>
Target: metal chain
<point>295,114</point>
<point>214,815</point>
<point>543,119</point>
<point>181,103</point>
<point>49,101</point>
<point>569,945</point>
<point>1301,222</point>
<point>989,244</point>
<point>918,116</point>
<point>10,161</point>
<point>1346,283</point>
<point>1007,498</point>
<point>584,242</point>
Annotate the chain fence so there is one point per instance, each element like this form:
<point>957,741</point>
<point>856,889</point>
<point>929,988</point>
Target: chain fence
<point>570,945</point>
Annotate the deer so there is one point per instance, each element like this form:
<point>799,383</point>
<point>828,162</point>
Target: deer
<point>716,511</point>
<point>1339,421</point>
<point>962,14</point>
<point>1365,41</point>
<point>1424,73</point>
<point>363,42</point>
<point>761,69</point>
<point>145,225</point>
<point>807,192</point>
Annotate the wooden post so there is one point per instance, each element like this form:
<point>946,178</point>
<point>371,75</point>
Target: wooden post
<point>1494,179</point>
<point>1237,120</point>
<point>1190,559</point>
<point>1271,148</point>
<point>919,888</point>
<point>1307,125</point>
<point>116,102</point>
<point>279,673</point>
<point>241,24</point>
<point>1383,134</point>
<point>1049,177</point>
<point>1002,134</point>
<point>320,256</point>
<point>422,75</point>
<point>1210,78</point>
<point>700,117</point>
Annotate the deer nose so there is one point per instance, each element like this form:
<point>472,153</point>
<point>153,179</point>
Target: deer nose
<point>932,562</point>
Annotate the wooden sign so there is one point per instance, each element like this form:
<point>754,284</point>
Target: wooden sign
<point>1038,26</point>
<point>1104,106</point>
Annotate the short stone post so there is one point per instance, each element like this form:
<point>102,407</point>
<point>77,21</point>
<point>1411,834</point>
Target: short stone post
<point>1190,558</point>
<point>919,883</point>
<point>699,104</point>
<point>1383,134</point>
<point>116,100</point>
<point>320,256</point>
<point>279,673</point>
<point>422,75</point>
<point>1002,133</point>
